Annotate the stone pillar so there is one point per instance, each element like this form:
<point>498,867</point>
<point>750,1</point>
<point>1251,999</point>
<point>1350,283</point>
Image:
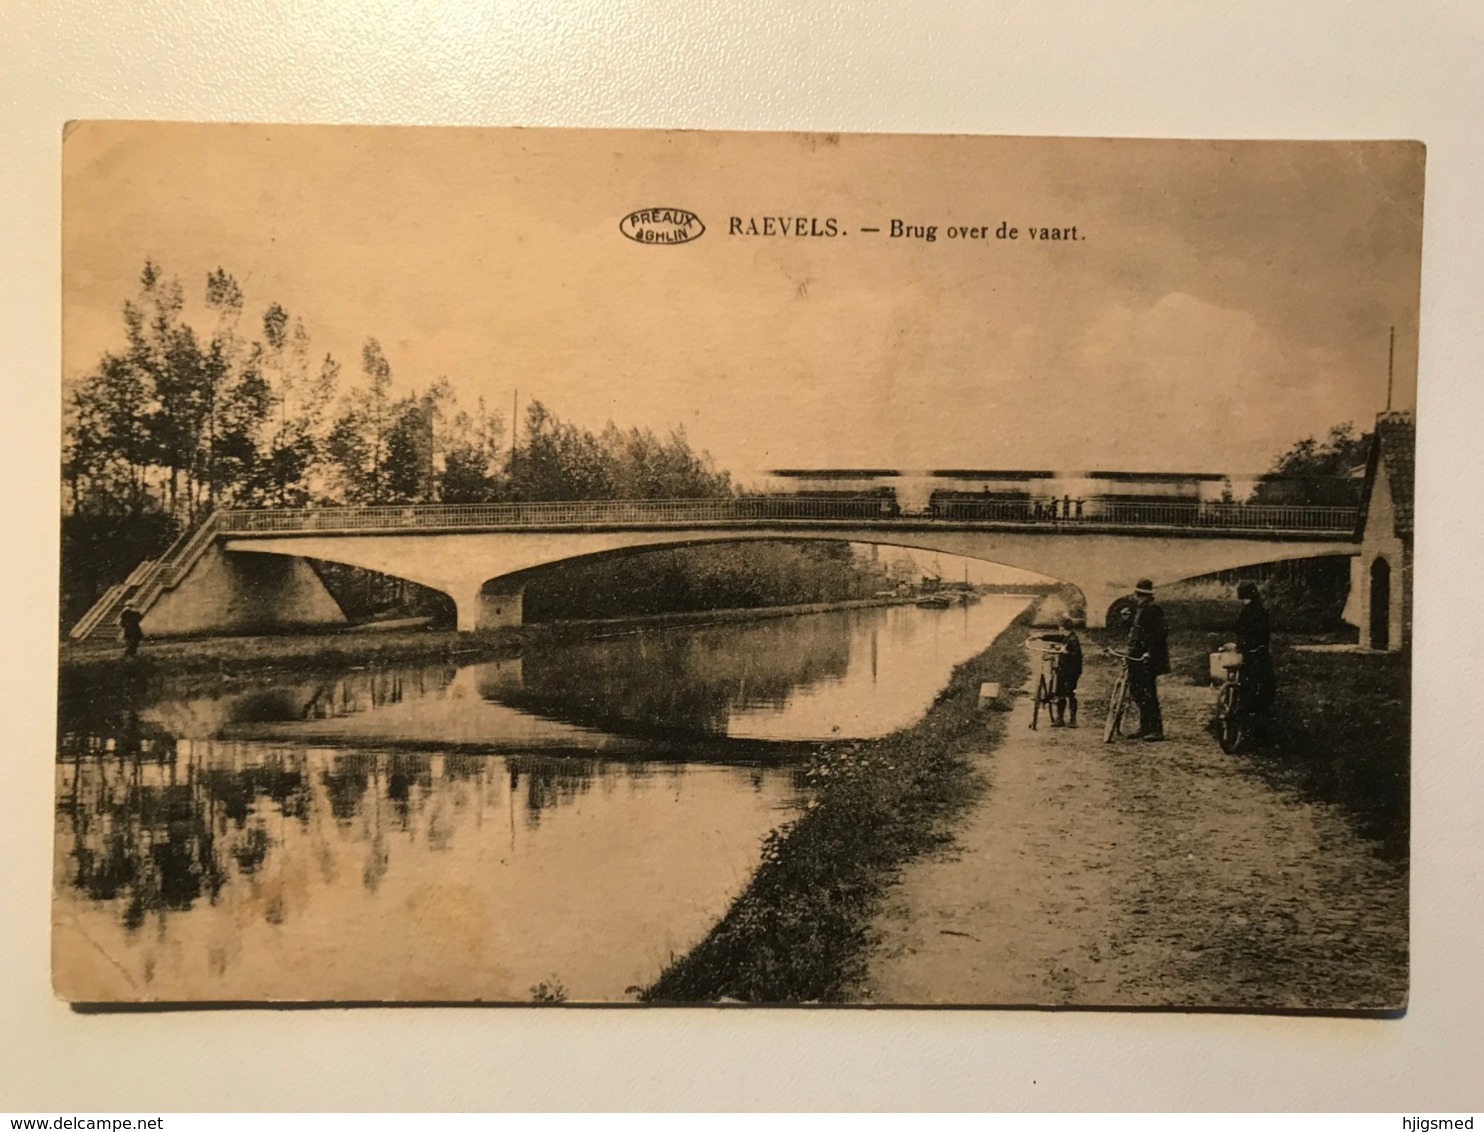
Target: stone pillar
<point>492,605</point>
<point>466,607</point>
<point>1098,598</point>
<point>501,604</point>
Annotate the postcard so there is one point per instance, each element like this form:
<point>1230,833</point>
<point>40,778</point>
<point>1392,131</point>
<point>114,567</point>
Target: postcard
<point>584,566</point>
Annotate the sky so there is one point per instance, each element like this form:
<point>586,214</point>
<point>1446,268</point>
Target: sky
<point>1223,300</point>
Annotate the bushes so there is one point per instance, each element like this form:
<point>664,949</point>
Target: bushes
<point>1342,720</point>
<point>723,576</point>
<point>1304,595</point>
<point>1343,734</point>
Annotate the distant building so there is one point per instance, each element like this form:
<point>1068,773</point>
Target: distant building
<point>1381,576</point>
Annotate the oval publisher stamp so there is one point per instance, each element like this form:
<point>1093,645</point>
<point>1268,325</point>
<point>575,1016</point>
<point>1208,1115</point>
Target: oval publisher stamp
<point>662,225</point>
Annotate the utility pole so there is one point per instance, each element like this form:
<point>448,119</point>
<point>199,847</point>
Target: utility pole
<point>515,423</point>
<point>1390,367</point>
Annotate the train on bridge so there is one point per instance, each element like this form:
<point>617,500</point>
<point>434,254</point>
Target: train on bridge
<point>1000,495</point>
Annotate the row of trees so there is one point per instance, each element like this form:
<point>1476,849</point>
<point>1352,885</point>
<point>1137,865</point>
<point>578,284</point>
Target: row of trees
<point>721,576</point>
<point>180,419</point>
<point>183,419</point>
<point>202,407</point>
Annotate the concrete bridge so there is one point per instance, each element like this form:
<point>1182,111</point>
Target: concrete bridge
<point>245,570</point>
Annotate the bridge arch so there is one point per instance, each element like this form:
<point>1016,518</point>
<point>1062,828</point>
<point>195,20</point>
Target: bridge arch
<point>488,590</point>
<point>497,589</point>
<point>484,572</point>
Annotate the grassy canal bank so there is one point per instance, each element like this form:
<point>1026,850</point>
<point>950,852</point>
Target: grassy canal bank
<point>798,932</point>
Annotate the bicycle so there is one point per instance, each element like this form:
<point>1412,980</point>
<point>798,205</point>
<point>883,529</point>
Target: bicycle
<point>1046,693</point>
<point>1233,720</point>
<point>1119,696</point>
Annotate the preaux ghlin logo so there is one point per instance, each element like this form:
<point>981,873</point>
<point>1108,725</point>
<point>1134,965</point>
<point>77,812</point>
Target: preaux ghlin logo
<point>661,226</point>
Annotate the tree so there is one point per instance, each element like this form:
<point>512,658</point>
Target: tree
<point>108,447</point>
<point>166,356</point>
<point>301,394</point>
<point>176,421</point>
<point>357,444</point>
<point>1311,592</point>
<point>471,447</point>
<point>409,450</point>
<point>646,467</point>
<point>562,461</point>
<point>1318,472</point>
<point>240,468</point>
<point>558,461</point>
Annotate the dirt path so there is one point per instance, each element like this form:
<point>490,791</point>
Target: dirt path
<point>1142,875</point>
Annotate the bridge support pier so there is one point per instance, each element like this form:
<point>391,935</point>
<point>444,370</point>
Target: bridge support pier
<point>489,605</point>
<point>1098,597</point>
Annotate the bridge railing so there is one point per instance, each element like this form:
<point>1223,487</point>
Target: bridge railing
<point>562,514</point>
<point>1149,513</point>
<point>1232,516</point>
<point>864,509</point>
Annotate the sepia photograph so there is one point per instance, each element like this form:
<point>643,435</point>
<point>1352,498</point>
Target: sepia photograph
<point>542,566</point>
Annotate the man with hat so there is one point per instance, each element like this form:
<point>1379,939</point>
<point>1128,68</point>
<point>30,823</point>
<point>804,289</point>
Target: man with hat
<point>1149,650</point>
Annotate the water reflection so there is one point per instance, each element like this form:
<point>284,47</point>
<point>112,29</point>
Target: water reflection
<point>853,673</point>
<point>691,680</point>
<point>157,834</point>
<point>341,837</point>
<point>857,673</point>
<point>241,870</point>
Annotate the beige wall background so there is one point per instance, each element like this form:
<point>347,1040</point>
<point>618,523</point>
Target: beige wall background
<point>1326,69</point>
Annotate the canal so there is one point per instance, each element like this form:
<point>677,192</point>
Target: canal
<point>561,824</point>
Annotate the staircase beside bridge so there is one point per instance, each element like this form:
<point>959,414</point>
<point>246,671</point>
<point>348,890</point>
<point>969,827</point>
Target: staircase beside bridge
<point>146,582</point>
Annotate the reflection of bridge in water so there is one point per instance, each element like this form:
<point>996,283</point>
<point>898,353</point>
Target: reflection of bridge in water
<point>250,569</point>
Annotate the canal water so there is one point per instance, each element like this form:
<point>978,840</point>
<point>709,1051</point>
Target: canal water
<point>558,825</point>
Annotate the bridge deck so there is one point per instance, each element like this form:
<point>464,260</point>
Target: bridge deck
<point>1052,516</point>
<point>851,516</point>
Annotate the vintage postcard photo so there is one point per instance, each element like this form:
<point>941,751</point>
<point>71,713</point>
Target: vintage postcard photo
<point>540,566</point>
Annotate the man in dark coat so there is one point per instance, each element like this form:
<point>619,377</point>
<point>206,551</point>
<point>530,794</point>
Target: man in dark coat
<point>1149,647</point>
<point>1254,642</point>
<point>1066,653</point>
<point>1068,672</point>
<point>132,622</point>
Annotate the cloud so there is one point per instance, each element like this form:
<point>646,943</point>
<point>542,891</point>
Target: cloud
<point>1214,388</point>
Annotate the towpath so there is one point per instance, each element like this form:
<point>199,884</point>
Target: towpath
<point>1142,874</point>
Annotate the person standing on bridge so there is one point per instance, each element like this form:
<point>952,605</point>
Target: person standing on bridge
<point>1149,652</point>
<point>131,621</point>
